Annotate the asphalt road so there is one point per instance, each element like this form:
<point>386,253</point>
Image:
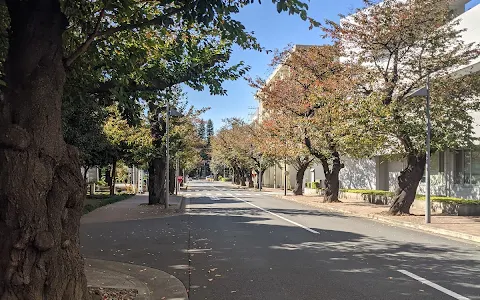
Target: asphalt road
<point>239,244</point>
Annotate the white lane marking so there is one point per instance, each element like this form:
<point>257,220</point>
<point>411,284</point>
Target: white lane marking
<point>434,285</point>
<point>219,194</point>
<point>209,194</point>
<point>239,194</point>
<point>188,194</point>
<point>258,194</point>
<point>278,216</point>
<point>247,194</point>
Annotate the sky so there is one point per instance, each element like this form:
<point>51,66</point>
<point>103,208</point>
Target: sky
<point>273,31</point>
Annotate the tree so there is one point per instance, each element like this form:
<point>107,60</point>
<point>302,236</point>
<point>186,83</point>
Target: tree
<point>398,44</point>
<point>282,139</point>
<point>209,131</point>
<point>40,256</point>
<point>314,94</point>
<point>202,130</point>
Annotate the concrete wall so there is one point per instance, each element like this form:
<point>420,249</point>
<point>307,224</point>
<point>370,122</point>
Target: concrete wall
<point>358,174</point>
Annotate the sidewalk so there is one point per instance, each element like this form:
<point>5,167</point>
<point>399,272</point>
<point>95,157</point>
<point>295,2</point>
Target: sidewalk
<point>150,284</point>
<point>459,227</point>
<point>134,208</point>
<point>125,280</point>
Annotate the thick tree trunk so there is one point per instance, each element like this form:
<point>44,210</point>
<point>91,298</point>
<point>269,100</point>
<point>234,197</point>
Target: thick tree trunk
<point>172,181</point>
<point>243,178</point>
<point>299,178</point>
<point>156,179</point>
<point>41,186</point>
<point>251,184</point>
<point>408,182</point>
<point>113,178</point>
<point>85,172</point>
<point>332,182</point>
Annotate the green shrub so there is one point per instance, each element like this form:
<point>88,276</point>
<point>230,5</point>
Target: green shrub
<point>369,192</point>
<point>225,179</point>
<point>313,185</point>
<point>95,201</point>
<point>452,200</point>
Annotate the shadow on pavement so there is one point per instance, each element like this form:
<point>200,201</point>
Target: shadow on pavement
<point>243,253</point>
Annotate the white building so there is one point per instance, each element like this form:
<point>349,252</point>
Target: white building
<point>453,173</point>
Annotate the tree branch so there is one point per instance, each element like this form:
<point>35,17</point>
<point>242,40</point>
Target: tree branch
<point>160,20</point>
<point>84,47</point>
<point>160,85</point>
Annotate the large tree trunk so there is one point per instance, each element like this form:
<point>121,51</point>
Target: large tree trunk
<point>251,184</point>
<point>113,178</point>
<point>243,178</point>
<point>172,181</point>
<point>302,167</point>
<point>332,182</point>
<point>156,179</point>
<point>408,182</point>
<point>41,186</point>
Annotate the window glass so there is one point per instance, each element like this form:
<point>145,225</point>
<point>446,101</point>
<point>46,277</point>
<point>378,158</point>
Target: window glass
<point>475,167</point>
<point>458,175</point>
<point>466,167</point>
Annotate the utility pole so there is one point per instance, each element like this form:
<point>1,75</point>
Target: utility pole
<point>167,198</point>
<point>427,171</point>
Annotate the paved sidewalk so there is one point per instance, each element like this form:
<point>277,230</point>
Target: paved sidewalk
<point>134,208</point>
<point>465,228</point>
<point>151,284</point>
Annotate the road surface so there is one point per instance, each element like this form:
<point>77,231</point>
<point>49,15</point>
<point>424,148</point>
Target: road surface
<point>239,244</point>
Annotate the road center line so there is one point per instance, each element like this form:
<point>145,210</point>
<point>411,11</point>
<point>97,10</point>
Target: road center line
<point>434,285</point>
<point>276,215</point>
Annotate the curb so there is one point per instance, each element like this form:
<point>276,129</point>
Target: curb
<point>152,284</point>
<point>419,227</point>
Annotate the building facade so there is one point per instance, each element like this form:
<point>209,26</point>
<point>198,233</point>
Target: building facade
<point>454,172</point>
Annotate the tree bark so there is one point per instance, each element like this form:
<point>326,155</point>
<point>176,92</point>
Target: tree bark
<point>85,172</point>
<point>41,185</point>
<point>172,181</point>
<point>332,182</point>
<point>408,182</point>
<point>243,178</point>
<point>113,177</point>
<point>302,167</point>
<point>251,184</point>
<point>156,179</point>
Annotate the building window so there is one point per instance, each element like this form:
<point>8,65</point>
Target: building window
<point>437,164</point>
<point>467,167</point>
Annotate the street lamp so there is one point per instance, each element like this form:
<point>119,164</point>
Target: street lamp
<point>173,113</point>
<point>425,92</point>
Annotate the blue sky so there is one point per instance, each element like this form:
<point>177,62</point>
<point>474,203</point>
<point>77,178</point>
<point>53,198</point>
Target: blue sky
<point>273,31</point>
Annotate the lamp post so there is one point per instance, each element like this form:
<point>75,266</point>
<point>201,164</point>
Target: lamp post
<point>173,113</point>
<point>425,92</point>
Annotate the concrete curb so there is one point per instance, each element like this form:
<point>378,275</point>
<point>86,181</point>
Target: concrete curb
<point>152,284</point>
<point>420,227</point>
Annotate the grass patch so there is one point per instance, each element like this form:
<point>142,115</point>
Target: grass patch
<point>98,200</point>
<point>449,200</point>
<point>369,192</point>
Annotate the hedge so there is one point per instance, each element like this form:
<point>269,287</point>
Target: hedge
<point>369,192</point>
<point>313,185</point>
<point>95,201</point>
<point>452,200</point>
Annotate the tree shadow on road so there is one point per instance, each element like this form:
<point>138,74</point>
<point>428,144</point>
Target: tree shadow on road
<point>262,257</point>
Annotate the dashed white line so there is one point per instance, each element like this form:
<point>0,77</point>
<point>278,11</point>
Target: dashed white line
<point>434,285</point>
